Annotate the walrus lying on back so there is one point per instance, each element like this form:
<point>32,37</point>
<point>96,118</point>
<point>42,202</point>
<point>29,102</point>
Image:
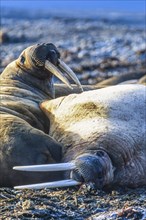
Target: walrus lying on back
<point>103,132</point>
<point>24,127</point>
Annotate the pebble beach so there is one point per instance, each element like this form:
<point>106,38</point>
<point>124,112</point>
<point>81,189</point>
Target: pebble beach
<point>96,48</point>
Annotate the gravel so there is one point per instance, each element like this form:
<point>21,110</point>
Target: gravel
<point>96,49</point>
<point>79,203</point>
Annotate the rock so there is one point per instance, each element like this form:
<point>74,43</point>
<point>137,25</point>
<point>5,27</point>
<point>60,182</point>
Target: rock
<point>125,213</point>
<point>4,37</point>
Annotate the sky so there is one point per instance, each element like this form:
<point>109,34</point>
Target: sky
<point>110,5</point>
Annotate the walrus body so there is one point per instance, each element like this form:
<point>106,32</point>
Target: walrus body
<point>103,132</point>
<point>24,127</point>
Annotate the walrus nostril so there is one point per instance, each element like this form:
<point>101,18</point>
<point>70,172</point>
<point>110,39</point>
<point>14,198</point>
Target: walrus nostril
<point>76,175</point>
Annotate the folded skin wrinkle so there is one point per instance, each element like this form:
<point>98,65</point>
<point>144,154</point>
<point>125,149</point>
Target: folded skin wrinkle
<point>107,121</point>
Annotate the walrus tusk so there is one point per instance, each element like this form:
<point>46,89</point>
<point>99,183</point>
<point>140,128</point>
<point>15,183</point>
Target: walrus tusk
<point>68,71</point>
<point>47,167</point>
<point>55,71</point>
<point>55,184</point>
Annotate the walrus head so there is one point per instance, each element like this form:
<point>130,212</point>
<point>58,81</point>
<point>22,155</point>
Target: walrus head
<point>95,168</point>
<point>89,168</point>
<point>40,62</point>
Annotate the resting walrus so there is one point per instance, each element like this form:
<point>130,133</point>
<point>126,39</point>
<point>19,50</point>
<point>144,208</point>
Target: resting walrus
<point>24,127</point>
<point>103,133</point>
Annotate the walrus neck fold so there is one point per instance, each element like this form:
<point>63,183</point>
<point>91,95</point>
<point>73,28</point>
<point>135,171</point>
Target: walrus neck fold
<point>15,77</point>
<point>16,72</point>
<point>45,86</point>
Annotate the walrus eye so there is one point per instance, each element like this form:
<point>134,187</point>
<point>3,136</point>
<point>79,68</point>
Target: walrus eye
<point>22,59</point>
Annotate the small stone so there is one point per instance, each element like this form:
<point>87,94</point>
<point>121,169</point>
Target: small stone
<point>4,37</point>
<point>26,204</point>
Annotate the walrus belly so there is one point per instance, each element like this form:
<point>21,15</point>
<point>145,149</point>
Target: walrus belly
<point>111,119</point>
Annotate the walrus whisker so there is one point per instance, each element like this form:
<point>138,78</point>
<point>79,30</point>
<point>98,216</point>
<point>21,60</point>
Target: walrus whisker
<point>69,71</point>
<point>47,167</point>
<point>55,71</point>
<point>55,184</point>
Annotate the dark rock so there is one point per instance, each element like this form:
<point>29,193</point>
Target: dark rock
<point>4,37</point>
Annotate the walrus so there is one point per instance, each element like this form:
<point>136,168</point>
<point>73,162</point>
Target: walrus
<point>103,134</point>
<point>25,83</point>
<point>24,127</point>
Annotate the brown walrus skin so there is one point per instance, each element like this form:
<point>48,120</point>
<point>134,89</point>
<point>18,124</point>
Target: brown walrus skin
<point>24,127</point>
<point>103,133</point>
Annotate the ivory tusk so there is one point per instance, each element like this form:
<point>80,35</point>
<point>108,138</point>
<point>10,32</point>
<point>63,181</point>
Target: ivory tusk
<point>47,167</point>
<point>70,73</point>
<point>55,71</point>
<point>55,184</point>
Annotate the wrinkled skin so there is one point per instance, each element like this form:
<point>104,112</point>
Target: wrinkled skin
<point>101,158</point>
<point>24,127</point>
<point>94,168</point>
<point>103,133</point>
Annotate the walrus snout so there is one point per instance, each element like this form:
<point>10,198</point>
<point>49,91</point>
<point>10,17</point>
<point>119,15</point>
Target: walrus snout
<point>53,57</point>
<point>96,169</point>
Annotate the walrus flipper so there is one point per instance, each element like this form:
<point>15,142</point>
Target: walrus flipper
<point>21,144</point>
